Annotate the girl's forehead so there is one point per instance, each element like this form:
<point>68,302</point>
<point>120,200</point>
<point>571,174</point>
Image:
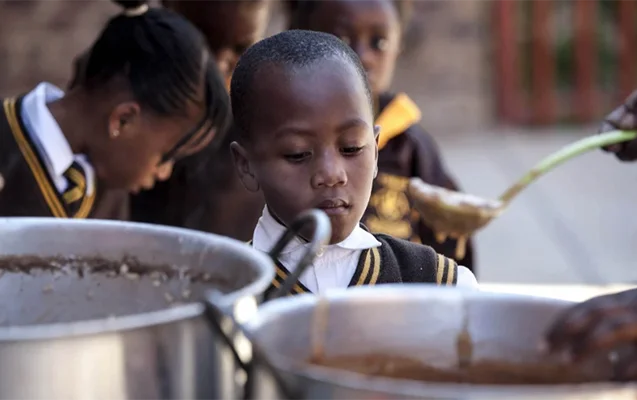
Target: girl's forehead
<point>355,13</point>
<point>361,7</point>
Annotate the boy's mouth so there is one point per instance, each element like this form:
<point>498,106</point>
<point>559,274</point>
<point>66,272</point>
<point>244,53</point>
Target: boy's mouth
<point>334,206</point>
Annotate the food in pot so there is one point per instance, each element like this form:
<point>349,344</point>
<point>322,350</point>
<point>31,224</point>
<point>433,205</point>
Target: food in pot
<point>35,290</point>
<point>479,372</point>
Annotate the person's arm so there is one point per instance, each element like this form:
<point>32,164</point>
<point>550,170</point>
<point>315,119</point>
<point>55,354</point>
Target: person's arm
<point>602,324</point>
<point>623,117</point>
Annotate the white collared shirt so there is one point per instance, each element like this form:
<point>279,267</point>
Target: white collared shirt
<point>48,138</point>
<point>335,264</point>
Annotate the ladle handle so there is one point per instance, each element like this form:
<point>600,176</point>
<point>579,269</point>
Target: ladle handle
<point>226,327</point>
<point>565,154</point>
<point>318,220</point>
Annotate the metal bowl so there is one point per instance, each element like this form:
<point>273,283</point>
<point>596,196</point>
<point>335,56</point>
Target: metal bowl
<point>123,340</point>
<point>414,320</point>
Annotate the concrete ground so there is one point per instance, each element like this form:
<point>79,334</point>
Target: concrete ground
<point>577,224</point>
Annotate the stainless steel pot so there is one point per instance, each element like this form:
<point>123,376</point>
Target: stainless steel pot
<point>410,320</point>
<point>58,336</point>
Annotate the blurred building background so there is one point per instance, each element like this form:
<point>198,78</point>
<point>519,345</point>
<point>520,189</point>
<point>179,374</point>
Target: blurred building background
<point>501,83</point>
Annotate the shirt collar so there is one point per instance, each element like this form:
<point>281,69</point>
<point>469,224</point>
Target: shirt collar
<point>57,152</point>
<point>269,230</point>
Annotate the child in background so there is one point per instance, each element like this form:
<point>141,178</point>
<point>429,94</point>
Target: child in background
<point>304,112</point>
<point>374,29</point>
<point>204,192</point>
<point>149,95</point>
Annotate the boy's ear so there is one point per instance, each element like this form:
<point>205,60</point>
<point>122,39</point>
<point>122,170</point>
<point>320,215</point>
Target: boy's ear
<point>243,167</point>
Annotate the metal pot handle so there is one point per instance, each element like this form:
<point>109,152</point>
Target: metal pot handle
<point>320,237</point>
<point>227,327</point>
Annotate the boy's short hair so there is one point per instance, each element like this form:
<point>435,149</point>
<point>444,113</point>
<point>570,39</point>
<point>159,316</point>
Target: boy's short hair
<point>290,49</point>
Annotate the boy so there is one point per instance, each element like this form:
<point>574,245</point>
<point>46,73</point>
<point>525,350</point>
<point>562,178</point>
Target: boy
<point>149,96</point>
<point>607,322</point>
<point>374,30</point>
<point>303,108</point>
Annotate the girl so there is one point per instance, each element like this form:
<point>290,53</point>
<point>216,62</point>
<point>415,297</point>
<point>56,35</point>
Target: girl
<point>374,28</point>
<point>150,94</point>
<point>206,183</point>
<point>204,192</point>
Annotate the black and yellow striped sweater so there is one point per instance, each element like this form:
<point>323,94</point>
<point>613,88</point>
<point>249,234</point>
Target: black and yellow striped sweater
<point>395,261</point>
<point>28,189</point>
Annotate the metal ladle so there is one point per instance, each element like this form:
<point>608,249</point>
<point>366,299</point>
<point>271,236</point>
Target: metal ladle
<point>458,215</point>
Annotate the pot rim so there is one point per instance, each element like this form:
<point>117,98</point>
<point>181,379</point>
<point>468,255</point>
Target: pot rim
<point>140,320</point>
<point>405,387</point>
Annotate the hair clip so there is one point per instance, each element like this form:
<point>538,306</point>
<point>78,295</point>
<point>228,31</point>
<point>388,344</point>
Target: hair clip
<point>137,11</point>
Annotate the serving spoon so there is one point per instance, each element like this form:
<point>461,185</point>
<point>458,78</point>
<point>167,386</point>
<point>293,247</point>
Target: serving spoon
<point>458,215</point>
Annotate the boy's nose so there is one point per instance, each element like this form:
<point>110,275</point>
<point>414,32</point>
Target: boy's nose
<point>330,174</point>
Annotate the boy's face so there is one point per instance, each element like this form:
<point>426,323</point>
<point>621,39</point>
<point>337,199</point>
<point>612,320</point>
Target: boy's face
<point>371,27</point>
<point>230,27</point>
<point>311,143</point>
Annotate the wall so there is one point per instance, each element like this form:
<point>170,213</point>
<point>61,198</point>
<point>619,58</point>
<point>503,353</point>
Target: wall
<point>40,38</point>
<point>444,68</point>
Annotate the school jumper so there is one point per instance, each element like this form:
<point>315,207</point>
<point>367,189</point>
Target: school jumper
<point>362,258</point>
<point>41,175</point>
<point>406,150</point>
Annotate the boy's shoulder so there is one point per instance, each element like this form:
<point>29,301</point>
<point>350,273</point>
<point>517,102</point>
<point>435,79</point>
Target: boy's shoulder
<point>402,247</point>
<point>418,262</point>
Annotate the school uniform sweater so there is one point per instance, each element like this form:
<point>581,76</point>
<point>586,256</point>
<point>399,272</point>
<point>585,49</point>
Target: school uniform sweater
<point>406,150</point>
<point>41,176</point>
<point>361,259</point>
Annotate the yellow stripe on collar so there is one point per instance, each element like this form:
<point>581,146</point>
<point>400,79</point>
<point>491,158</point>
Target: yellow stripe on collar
<point>396,118</point>
<point>48,192</point>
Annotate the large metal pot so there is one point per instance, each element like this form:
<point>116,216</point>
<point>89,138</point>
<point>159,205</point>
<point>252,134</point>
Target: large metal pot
<point>415,321</point>
<point>58,339</point>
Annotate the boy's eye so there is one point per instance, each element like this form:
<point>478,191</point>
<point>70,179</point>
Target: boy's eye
<point>380,43</point>
<point>297,157</point>
<point>352,150</point>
